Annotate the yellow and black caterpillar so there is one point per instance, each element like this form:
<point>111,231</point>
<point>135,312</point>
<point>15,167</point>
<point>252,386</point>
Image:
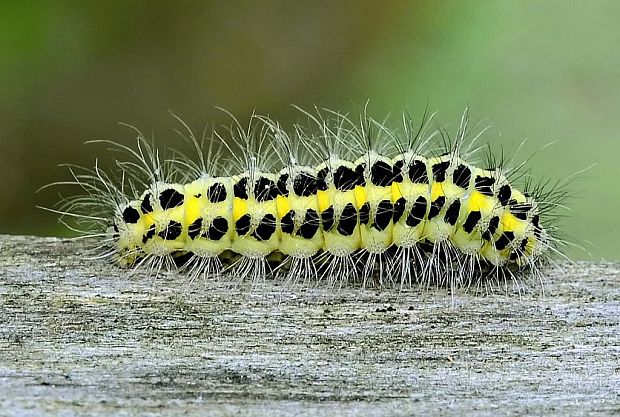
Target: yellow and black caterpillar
<point>334,199</point>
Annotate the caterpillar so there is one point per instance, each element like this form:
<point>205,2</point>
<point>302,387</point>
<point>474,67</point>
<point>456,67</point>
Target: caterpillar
<point>332,198</point>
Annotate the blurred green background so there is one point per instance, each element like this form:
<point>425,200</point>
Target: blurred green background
<point>542,70</point>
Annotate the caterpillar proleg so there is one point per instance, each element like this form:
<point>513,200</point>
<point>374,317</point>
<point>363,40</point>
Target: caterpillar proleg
<point>338,199</point>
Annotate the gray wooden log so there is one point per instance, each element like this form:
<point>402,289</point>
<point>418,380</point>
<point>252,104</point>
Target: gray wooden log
<point>81,336</point>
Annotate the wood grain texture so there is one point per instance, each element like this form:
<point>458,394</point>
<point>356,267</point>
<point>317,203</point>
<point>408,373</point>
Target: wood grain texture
<point>84,337</point>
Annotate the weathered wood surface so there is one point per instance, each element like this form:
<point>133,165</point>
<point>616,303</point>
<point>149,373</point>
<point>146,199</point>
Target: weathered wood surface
<point>80,337</point>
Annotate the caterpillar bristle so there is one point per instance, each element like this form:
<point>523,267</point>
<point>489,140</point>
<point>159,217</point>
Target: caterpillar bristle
<point>336,199</point>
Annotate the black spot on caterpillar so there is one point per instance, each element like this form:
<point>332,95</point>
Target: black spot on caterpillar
<point>334,199</point>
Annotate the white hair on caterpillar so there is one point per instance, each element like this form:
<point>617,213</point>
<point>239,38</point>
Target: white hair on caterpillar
<point>335,199</point>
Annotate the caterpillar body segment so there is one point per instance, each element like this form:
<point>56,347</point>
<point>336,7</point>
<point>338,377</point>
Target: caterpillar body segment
<point>410,198</point>
<point>374,202</point>
<point>298,210</point>
<point>254,215</point>
<point>353,201</point>
<point>209,216</point>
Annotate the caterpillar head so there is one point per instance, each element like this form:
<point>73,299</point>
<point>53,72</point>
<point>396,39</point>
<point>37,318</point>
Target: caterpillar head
<point>128,230</point>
